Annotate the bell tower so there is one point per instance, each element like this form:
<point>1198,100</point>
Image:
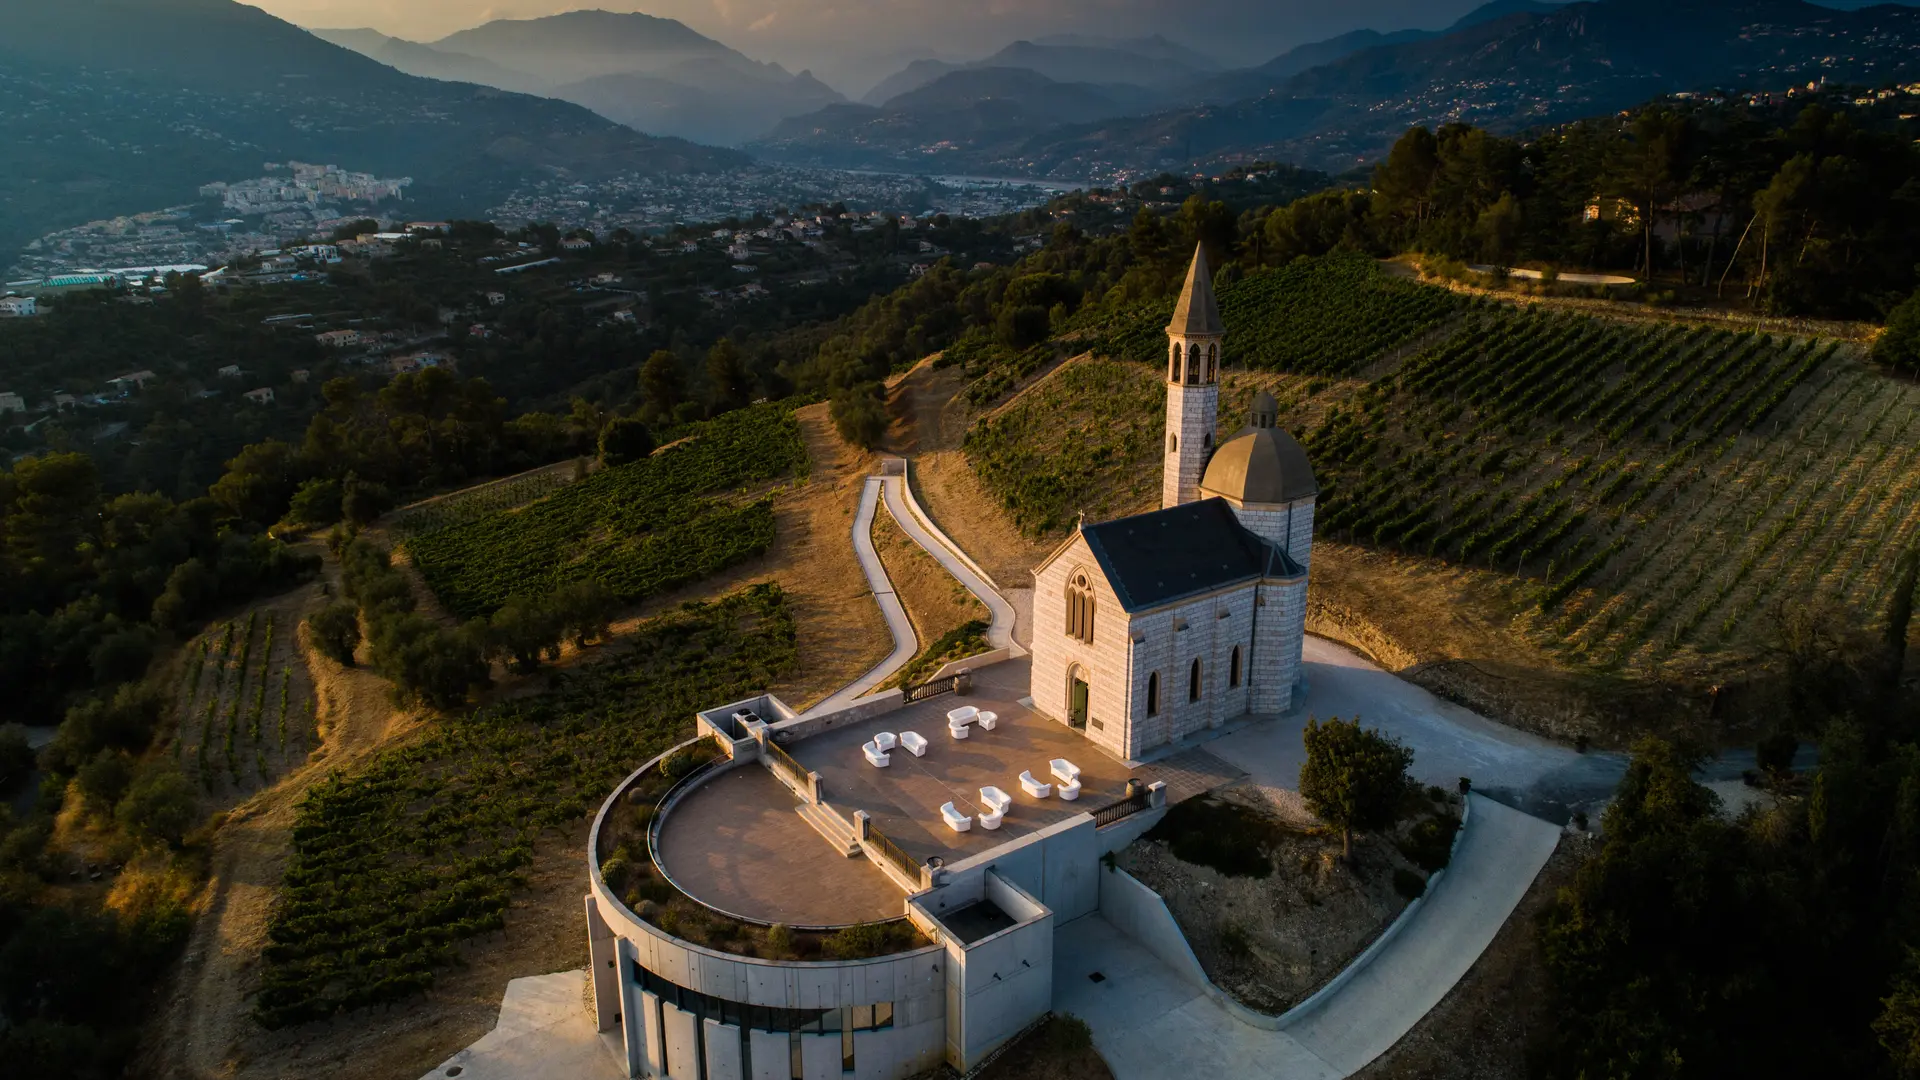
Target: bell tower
<point>1194,341</point>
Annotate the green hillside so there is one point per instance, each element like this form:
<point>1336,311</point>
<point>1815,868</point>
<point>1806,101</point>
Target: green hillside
<point>1657,491</point>
<point>639,529</point>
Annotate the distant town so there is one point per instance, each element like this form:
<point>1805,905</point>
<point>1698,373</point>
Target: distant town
<point>297,203</point>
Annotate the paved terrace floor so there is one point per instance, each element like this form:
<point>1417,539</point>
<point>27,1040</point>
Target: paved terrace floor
<point>735,843</point>
<point>904,798</point>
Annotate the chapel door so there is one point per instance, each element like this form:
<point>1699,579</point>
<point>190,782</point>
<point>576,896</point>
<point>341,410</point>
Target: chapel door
<point>1078,712</point>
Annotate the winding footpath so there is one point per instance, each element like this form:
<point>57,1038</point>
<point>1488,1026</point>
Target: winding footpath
<point>906,511</point>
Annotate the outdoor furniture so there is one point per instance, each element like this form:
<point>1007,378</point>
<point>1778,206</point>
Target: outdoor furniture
<point>1068,792</point>
<point>1035,788</point>
<point>1064,771</point>
<point>995,799</point>
<point>886,740</point>
<point>991,820</point>
<point>987,720</point>
<point>913,743</point>
<point>958,731</point>
<point>876,757</point>
<point>955,820</point>
<point>965,714</point>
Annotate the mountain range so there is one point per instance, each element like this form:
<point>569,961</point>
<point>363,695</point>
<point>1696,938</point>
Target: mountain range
<point>114,106</point>
<point>654,75</point>
<point>1510,65</point>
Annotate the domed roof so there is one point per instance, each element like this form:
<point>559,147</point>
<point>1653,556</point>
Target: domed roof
<point>1262,464</point>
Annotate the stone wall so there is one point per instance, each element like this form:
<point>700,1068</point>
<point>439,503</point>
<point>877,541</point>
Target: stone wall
<point>1191,414</point>
<point>1105,661</point>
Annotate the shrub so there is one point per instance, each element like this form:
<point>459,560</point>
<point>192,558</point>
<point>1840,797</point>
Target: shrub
<point>1774,754</point>
<point>159,804</point>
<point>780,940</point>
<point>861,940</point>
<point>335,630</point>
<point>318,502</point>
<point>1225,836</point>
<point>1068,1034</point>
<point>625,439</point>
<point>104,779</point>
<point>1430,843</point>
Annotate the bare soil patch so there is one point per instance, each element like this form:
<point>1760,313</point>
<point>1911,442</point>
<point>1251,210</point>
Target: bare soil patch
<point>1272,934</point>
<point>935,600</point>
<point>967,512</point>
<point>1482,1028</point>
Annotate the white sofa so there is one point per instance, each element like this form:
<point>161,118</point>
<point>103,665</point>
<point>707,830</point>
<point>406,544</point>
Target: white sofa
<point>913,743</point>
<point>955,820</point>
<point>876,757</point>
<point>1039,789</point>
<point>1067,776</point>
<point>986,720</point>
<point>886,740</point>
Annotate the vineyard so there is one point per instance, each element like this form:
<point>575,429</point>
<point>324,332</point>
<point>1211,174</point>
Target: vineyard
<point>470,504</point>
<point>639,529</point>
<point>1656,492</point>
<point>245,704</point>
<point>1325,317</point>
<point>396,863</point>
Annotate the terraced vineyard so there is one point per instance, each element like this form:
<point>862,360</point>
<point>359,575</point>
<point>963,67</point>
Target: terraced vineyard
<point>1327,316</point>
<point>1657,491</point>
<point>460,507</point>
<point>639,529</point>
<point>245,705</point>
<point>396,863</point>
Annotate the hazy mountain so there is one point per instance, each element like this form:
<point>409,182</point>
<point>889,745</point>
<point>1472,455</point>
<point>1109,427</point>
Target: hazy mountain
<point>1156,47</point>
<point>431,63</point>
<point>1252,82</point>
<point>1153,66</point>
<point>963,114</point>
<point>653,74</point>
<point>1507,71</point>
<point>114,106</point>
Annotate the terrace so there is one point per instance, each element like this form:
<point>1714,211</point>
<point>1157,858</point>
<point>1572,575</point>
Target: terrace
<point>737,843</point>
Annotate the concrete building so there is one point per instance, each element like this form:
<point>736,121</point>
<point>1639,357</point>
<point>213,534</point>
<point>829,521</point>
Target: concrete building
<point>1154,628</point>
<point>260,395</point>
<point>18,307</point>
<point>791,824</point>
<point>12,402</point>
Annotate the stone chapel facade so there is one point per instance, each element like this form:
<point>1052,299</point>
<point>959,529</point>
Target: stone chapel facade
<point>1151,628</point>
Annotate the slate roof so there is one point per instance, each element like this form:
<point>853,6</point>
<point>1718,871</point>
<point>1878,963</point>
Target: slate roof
<point>1155,558</point>
<point>1196,314</point>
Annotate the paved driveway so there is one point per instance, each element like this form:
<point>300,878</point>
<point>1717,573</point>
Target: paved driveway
<point>1149,1023</point>
<point>1524,771</point>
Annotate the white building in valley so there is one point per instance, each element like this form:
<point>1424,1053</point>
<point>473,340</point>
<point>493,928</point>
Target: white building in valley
<point>1153,628</point>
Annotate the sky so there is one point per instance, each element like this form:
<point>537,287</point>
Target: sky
<point>848,42</point>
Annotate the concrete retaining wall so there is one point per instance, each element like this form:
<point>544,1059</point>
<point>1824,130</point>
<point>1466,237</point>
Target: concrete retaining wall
<point>1142,915</point>
<point>866,708</point>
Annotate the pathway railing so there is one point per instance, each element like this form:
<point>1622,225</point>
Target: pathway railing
<point>932,688</point>
<point>893,853</point>
<point>1136,799</point>
<point>782,761</point>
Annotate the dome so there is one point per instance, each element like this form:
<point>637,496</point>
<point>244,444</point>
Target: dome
<point>1262,464</point>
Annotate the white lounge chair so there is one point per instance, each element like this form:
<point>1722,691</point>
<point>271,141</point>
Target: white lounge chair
<point>1036,788</point>
<point>886,740</point>
<point>1068,792</point>
<point>876,757</point>
<point>991,820</point>
<point>965,714</point>
<point>955,820</point>
<point>913,743</point>
<point>987,720</point>
<point>994,799</point>
<point>958,731</point>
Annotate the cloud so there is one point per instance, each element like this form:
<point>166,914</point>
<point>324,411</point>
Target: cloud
<point>764,21</point>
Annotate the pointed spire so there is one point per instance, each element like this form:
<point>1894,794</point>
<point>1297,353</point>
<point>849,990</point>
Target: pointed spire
<point>1196,315</point>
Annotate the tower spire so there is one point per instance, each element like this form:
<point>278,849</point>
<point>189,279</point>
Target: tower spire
<point>1195,336</point>
<point>1197,315</point>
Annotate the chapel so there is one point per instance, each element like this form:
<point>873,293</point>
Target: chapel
<point>1152,628</point>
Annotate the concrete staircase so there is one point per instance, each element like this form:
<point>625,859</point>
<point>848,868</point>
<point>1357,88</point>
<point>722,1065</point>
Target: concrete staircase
<point>828,823</point>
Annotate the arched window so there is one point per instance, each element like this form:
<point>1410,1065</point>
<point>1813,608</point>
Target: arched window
<point>1213,362</point>
<point>1173,366</point>
<point>1080,609</point>
<point>1193,364</point>
<point>1153,694</point>
<point>1206,440</point>
<point>1173,443</point>
<point>1193,681</point>
<point>1233,668</point>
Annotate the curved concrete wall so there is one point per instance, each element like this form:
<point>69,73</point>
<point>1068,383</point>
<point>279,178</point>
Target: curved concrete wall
<point>914,982</point>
